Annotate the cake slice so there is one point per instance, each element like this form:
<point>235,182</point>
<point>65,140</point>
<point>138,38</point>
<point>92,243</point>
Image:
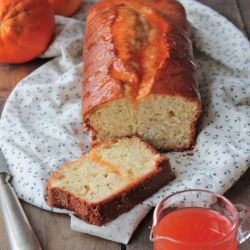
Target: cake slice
<point>110,180</point>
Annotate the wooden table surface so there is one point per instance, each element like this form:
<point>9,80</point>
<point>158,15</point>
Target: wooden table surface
<point>53,230</point>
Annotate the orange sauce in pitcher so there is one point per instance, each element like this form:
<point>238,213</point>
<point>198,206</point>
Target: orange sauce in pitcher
<point>195,229</point>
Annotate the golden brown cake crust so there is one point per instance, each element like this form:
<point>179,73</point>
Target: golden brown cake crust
<point>174,74</point>
<point>116,204</point>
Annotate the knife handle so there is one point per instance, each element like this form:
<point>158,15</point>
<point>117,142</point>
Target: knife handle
<point>18,229</point>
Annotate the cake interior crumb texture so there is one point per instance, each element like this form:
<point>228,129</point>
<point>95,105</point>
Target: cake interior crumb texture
<point>106,170</point>
<point>163,121</point>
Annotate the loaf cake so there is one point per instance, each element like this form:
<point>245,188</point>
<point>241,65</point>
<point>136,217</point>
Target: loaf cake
<point>139,73</point>
<point>111,179</point>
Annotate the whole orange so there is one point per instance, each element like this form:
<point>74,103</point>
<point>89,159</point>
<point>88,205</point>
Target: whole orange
<point>26,28</point>
<point>65,7</point>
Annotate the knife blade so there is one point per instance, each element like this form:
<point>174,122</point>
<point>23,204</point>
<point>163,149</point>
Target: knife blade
<point>18,229</point>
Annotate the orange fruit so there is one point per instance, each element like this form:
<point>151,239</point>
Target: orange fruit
<point>26,28</point>
<point>65,7</point>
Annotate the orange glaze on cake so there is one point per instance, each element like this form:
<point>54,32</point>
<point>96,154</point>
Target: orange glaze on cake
<point>136,48</point>
<point>138,36</point>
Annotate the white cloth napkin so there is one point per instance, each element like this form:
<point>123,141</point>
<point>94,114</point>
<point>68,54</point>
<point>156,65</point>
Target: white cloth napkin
<point>41,127</point>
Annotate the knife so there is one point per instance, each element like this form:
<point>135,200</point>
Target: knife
<point>18,229</point>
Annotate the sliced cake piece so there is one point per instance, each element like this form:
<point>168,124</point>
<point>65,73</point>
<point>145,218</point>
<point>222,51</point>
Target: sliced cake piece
<point>110,180</point>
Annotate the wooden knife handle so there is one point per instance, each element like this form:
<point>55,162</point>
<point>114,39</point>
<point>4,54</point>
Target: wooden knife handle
<point>18,229</point>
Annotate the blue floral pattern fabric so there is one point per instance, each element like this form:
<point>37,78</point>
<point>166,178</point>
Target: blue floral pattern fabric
<point>41,126</point>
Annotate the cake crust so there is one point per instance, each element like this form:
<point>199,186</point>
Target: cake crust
<point>175,75</point>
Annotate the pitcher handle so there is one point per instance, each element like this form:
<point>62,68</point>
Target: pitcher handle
<point>244,222</point>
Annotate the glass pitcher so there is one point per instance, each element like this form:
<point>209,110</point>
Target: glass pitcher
<point>193,205</point>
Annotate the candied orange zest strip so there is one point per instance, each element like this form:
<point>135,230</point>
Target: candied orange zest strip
<point>102,163</point>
